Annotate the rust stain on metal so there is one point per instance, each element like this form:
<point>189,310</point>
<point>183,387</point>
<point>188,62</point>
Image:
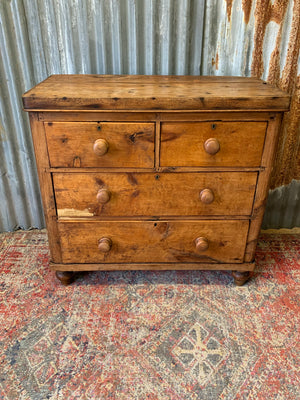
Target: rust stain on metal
<point>274,64</point>
<point>247,5</point>
<point>215,61</point>
<point>3,135</point>
<point>229,8</point>
<point>262,17</point>
<point>287,166</point>
<point>264,13</point>
<point>278,10</point>
<point>287,161</point>
<point>289,73</point>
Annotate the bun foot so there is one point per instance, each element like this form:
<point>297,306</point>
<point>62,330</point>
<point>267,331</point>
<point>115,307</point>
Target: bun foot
<point>240,277</point>
<point>65,277</point>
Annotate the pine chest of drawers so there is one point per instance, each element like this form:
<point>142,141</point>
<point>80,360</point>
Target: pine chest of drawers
<point>154,172</point>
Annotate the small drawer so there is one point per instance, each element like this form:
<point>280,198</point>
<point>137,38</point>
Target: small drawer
<point>154,194</point>
<point>213,144</point>
<point>153,241</point>
<point>103,144</point>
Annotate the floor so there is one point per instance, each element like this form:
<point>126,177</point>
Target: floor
<point>149,335</point>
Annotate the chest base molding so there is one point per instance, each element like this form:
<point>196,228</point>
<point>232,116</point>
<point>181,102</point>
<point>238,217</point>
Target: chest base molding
<point>153,267</point>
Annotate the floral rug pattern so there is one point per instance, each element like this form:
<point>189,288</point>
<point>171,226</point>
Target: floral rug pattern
<point>149,335</point>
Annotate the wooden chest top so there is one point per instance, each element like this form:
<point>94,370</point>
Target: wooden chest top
<point>139,92</point>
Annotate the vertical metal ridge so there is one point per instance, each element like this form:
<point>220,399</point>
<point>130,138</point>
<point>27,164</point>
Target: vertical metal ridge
<point>283,207</point>
<point>20,198</point>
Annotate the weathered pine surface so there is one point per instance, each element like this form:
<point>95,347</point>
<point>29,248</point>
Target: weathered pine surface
<point>138,92</point>
<point>154,172</point>
<point>158,241</point>
<point>154,194</point>
<point>129,144</point>
<point>240,143</point>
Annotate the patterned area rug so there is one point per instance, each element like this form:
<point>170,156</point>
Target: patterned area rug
<point>148,335</point>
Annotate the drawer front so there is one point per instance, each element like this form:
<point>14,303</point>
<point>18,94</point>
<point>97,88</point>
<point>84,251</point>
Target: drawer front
<point>92,144</point>
<point>150,194</point>
<point>149,241</point>
<point>213,144</point>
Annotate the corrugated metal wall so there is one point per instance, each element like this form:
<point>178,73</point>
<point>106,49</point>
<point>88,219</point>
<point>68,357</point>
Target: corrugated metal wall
<point>43,37</point>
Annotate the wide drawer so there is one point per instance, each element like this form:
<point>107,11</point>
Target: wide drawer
<point>152,194</point>
<point>214,144</point>
<point>150,241</point>
<point>92,144</point>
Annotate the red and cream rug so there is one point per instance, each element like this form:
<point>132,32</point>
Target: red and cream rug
<point>148,335</point>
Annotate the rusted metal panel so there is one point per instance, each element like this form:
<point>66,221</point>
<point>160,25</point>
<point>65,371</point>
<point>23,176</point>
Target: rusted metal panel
<point>281,68</point>
<point>20,204</point>
<point>215,37</point>
<point>44,37</point>
<point>261,38</point>
<point>283,207</point>
<point>228,41</point>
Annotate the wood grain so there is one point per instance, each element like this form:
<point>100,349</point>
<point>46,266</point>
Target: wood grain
<point>262,187</point>
<point>41,155</point>
<point>157,169</point>
<point>130,144</point>
<point>102,92</point>
<point>153,197</point>
<point>151,266</point>
<point>150,116</point>
<point>142,194</point>
<point>161,241</point>
<point>241,144</point>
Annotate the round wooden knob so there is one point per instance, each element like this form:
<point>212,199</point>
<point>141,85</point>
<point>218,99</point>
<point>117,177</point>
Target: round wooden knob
<point>104,245</point>
<point>207,196</point>
<point>212,146</point>
<point>100,147</point>
<point>103,196</point>
<point>201,244</point>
